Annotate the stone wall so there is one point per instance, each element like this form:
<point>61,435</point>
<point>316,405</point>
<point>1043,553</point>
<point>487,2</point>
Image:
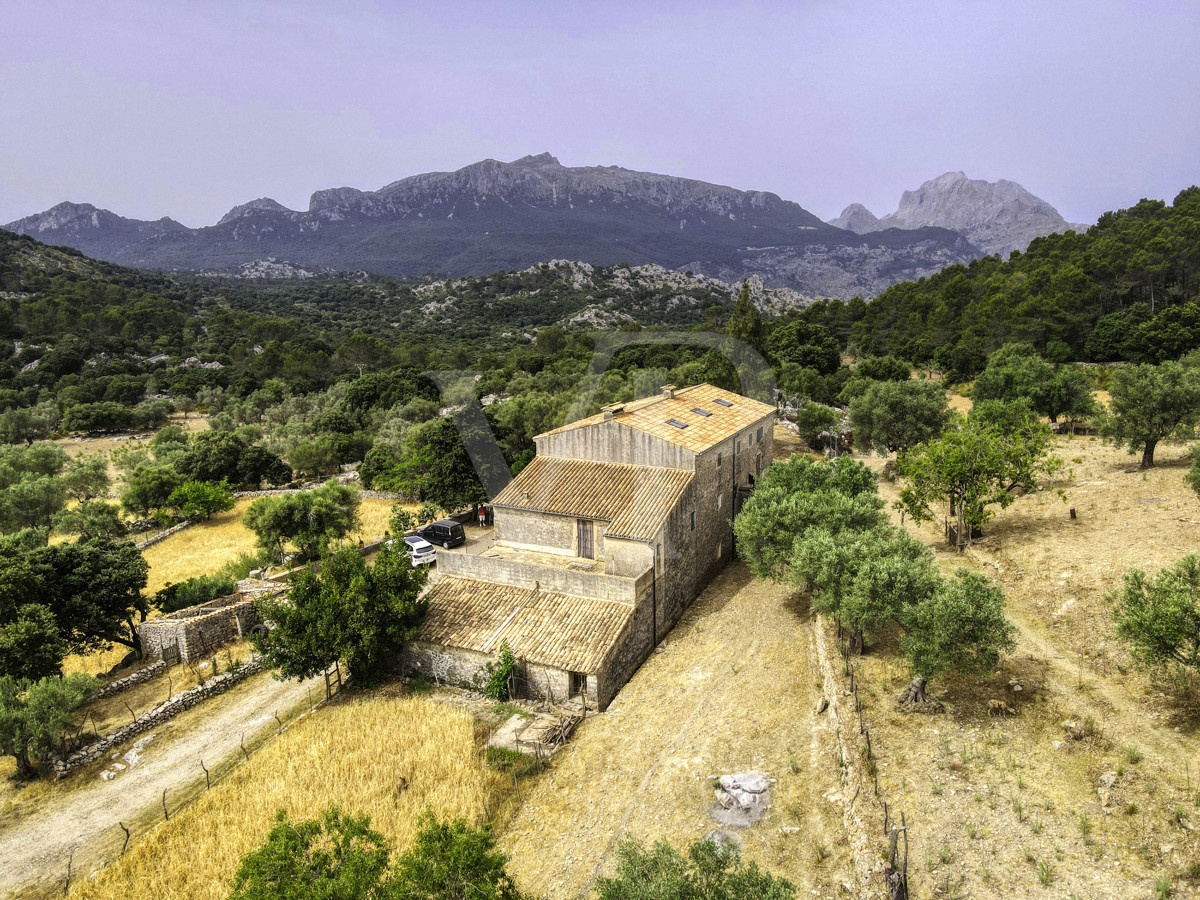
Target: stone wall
<point>615,442</point>
<point>165,711</point>
<point>165,533</point>
<point>452,665</point>
<point>536,530</point>
<point>141,675</point>
<point>551,578</point>
<point>192,630</point>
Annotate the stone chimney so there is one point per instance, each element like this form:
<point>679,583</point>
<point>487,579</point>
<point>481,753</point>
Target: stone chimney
<point>611,411</point>
<point>668,391</point>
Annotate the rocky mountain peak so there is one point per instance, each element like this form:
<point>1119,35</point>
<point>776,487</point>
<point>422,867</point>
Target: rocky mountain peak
<point>856,218</point>
<point>331,197</point>
<point>539,159</point>
<point>77,219</point>
<point>996,216</point>
<point>262,204</point>
<point>493,215</point>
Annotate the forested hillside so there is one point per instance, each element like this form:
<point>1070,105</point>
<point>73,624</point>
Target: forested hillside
<point>1127,289</point>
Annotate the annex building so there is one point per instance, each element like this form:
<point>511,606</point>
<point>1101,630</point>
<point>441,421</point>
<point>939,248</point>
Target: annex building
<point>600,544</point>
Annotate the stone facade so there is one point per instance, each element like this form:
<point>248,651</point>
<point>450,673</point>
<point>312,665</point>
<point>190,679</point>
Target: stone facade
<point>658,563</point>
<point>188,633</point>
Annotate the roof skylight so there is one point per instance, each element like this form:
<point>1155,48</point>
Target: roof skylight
<point>676,423</point>
<point>702,412</point>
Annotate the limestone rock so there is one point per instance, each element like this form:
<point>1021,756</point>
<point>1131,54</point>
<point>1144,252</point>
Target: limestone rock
<point>742,799</point>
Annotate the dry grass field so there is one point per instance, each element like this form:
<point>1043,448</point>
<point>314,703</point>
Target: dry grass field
<point>358,754</point>
<point>1010,807</point>
<point>205,548</point>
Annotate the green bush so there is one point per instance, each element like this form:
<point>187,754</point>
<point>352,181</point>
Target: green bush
<point>193,592</point>
<point>495,679</point>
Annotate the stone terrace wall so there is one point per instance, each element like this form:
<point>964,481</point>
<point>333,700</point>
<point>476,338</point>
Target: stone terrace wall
<point>141,675</point>
<point>166,710</point>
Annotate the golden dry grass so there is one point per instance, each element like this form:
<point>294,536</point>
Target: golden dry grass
<point>204,549</point>
<point>991,799</point>
<point>77,446</point>
<point>201,549</point>
<point>353,754</point>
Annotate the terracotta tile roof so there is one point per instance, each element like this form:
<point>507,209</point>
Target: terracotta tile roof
<point>653,414</point>
<point>634,500</point>
<point>557,630</point>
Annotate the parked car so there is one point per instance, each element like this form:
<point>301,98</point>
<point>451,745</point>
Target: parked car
<point>444,533</point>
<point>421,551</point>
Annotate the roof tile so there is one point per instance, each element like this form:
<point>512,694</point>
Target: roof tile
<point>575,634</point>
<point>634,500</point>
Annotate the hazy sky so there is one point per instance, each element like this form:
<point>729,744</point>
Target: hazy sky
<point>185,109</point>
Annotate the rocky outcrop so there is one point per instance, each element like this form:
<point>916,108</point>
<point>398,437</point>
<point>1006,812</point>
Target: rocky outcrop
<point>857,218</point>
<point>262,204</point>
<point>95,231</point>
<point>995,216</point>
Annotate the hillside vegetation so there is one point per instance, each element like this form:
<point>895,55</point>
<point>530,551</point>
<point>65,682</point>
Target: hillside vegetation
<point>1125,290</point>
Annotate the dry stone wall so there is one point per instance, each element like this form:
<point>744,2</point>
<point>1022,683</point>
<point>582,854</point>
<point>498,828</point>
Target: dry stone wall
<point>141,675</point>
<point>191,631</point>
<point>165,711</point>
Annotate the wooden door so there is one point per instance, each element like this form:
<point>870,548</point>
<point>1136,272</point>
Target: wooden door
<point>587,549</point>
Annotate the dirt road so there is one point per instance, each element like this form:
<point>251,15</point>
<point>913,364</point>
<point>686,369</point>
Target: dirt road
<point>83,821</point>
<point>732,689</point>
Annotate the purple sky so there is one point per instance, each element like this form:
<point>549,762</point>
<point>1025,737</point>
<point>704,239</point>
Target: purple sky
<point>185,109</point>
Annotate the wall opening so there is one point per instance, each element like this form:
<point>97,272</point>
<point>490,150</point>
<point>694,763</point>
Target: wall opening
<point>578,684</point>
<point>586,539</point>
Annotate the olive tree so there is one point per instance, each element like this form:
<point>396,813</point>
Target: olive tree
<point>34,715</point>
<point>1151,404</point>
<point>1159,615</point>
<point>896,415</point>
<point>348,613</point>
<point>978,462</point>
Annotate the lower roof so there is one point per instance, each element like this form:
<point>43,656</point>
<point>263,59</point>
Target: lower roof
<point>634,500</point>
<point>560,631</point>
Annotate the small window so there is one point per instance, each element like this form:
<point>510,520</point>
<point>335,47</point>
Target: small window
<point>702,412</point>
<point>750,439</point>
<point>675,423</point>
<point>738,448</point>
<point>721,402</point>
<point>719,455</point>
<point>760,432</point>
<point>693,522</point>
<point>720,500</point>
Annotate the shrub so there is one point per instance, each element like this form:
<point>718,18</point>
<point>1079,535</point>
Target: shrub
<point>193,592</point>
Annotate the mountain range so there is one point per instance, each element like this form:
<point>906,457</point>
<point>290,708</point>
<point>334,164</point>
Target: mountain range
<point>492,216</point>
<point>995,216</point>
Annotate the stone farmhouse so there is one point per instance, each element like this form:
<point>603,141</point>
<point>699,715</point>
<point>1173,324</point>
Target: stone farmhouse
<point>600,544</point>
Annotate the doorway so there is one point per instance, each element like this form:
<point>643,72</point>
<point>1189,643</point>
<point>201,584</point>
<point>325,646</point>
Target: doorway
<point>586,536</point>
<point>578,684</point>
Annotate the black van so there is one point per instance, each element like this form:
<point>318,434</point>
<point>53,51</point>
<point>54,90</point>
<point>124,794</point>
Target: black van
<point>444,533</point>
